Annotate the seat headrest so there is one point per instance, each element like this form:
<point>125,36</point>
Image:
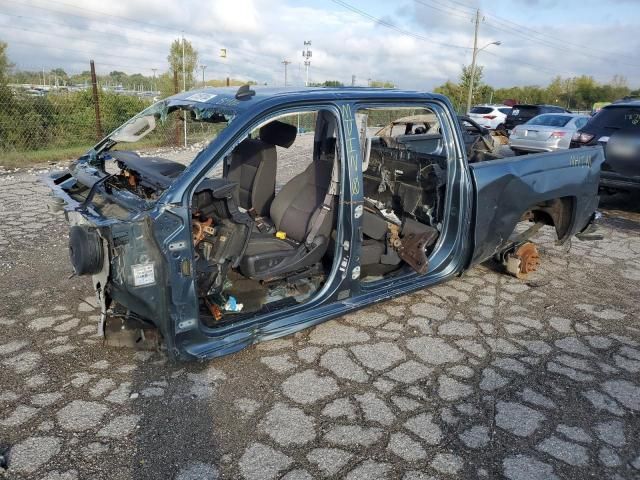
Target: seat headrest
<point>278,133</point>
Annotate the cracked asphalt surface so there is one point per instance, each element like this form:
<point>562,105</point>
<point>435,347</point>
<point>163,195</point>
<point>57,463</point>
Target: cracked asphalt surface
<point>485,376</point>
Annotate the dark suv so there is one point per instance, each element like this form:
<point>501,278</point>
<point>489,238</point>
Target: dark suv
<point>617,128</point>
<point>523,113</point>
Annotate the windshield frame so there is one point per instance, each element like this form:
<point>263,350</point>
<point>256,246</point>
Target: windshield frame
<point>161,109</point>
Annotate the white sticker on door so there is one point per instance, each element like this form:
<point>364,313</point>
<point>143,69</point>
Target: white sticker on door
<point>143,274</point>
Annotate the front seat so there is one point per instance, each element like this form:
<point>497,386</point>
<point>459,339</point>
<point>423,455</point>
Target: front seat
<point>297,210</point>
<point>253,166</point>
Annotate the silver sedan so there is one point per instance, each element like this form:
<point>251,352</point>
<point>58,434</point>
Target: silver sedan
<point>546,133</point>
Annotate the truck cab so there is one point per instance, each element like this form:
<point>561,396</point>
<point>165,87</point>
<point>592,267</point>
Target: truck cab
<point>297,209</point>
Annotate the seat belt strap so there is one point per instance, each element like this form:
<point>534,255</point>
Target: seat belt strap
<point>325,208</point>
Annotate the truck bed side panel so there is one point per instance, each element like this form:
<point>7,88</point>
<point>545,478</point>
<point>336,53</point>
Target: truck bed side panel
<point>505,189</point>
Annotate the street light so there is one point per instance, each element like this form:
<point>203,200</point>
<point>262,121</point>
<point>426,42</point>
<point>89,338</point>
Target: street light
<point>285,63</point>
<point>306,54</point>
<point>473,71</point>
<point>203,67</point>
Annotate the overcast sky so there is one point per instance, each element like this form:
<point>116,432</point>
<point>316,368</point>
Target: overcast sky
<point>540,38</point>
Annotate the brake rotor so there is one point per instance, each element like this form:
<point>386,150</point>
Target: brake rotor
<point>529,259</point>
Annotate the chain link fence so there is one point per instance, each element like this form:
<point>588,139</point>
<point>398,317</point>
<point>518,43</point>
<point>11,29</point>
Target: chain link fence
<point>57,124</point>
<point>38,126</point>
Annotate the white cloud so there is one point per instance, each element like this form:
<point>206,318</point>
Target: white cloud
<point>259,34</point>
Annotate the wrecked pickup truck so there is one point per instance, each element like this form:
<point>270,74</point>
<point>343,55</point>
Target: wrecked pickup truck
<point>272,228</point>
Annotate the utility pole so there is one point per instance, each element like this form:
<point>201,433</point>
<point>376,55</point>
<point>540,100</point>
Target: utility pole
<point>154,78</point>
<point>353,80</point>
<point>202,67</point>
<point>177,127</point>
<point>96,102</point>
<point>473,60</point>
<point>184,89</point>
<point>285,63</point>
<point>306,54</point>
<point>223,55</point>
<point>476,51</point>
<point>184,71</point>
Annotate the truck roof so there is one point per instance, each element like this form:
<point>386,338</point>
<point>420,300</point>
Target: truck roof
<point>624,103</point>
<point>227,95</point>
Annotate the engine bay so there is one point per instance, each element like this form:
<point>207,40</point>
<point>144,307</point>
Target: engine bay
<point>147,177</point>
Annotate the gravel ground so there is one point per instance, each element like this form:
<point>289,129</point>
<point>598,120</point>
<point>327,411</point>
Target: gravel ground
<point>485,376</point>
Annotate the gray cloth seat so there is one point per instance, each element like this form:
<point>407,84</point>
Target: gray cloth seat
<point>293,211</point>
<point>254,163</point>
<point>253,168</point>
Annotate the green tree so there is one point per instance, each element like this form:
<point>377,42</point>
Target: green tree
<point>457,92</point>
<point>165,84</point>
<point>5,64</point>
<point>60,75</point>
<point>233,82</point>
<point>327,83</point>
<point>176,59</point>
<point>556,94</point>
<point>80,78</point>
<point>453,92</point>
<point>136,80</point>
<point>7,122</point>
<point>117,77</point>
<point>381,84</point>
<point>465,80</point>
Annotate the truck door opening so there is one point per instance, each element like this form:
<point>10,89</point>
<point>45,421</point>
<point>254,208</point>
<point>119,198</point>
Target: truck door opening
<point>404,178</point>
<point>262,223</point>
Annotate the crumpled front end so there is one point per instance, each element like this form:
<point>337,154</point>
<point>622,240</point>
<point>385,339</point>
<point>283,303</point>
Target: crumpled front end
<point>116,247</point>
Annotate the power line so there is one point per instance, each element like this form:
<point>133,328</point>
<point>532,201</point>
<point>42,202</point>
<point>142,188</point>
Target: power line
<point>575,50</point>
<point>445,10</point>
<point>261,65</point>
<point>83,39</point>
<point>514,31</point>
<point>258,60</point>
<point>391,26</point>
<point>509,26</point>
<point>40,45</point>
<point>406,32</point>
<point>46,21</point>
<point>206,40</point>
<point>100,13</point>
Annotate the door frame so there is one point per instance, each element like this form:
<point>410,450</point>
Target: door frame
<point>452,244</point>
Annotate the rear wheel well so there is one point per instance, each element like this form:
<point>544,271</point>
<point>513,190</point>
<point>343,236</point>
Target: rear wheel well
<point>557,212</point>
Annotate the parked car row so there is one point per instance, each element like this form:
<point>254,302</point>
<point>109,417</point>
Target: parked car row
<point>503,117</point>
<point>523,113</point>
<point>548,128</point>
<point>546,133</point>
<point>492,117</point>
<point>617,128</point>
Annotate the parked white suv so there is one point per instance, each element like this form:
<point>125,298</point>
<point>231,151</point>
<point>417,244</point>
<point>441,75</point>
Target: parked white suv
<point>490,116</point>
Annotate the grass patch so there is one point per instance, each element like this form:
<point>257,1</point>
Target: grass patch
<point>27,158</point>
